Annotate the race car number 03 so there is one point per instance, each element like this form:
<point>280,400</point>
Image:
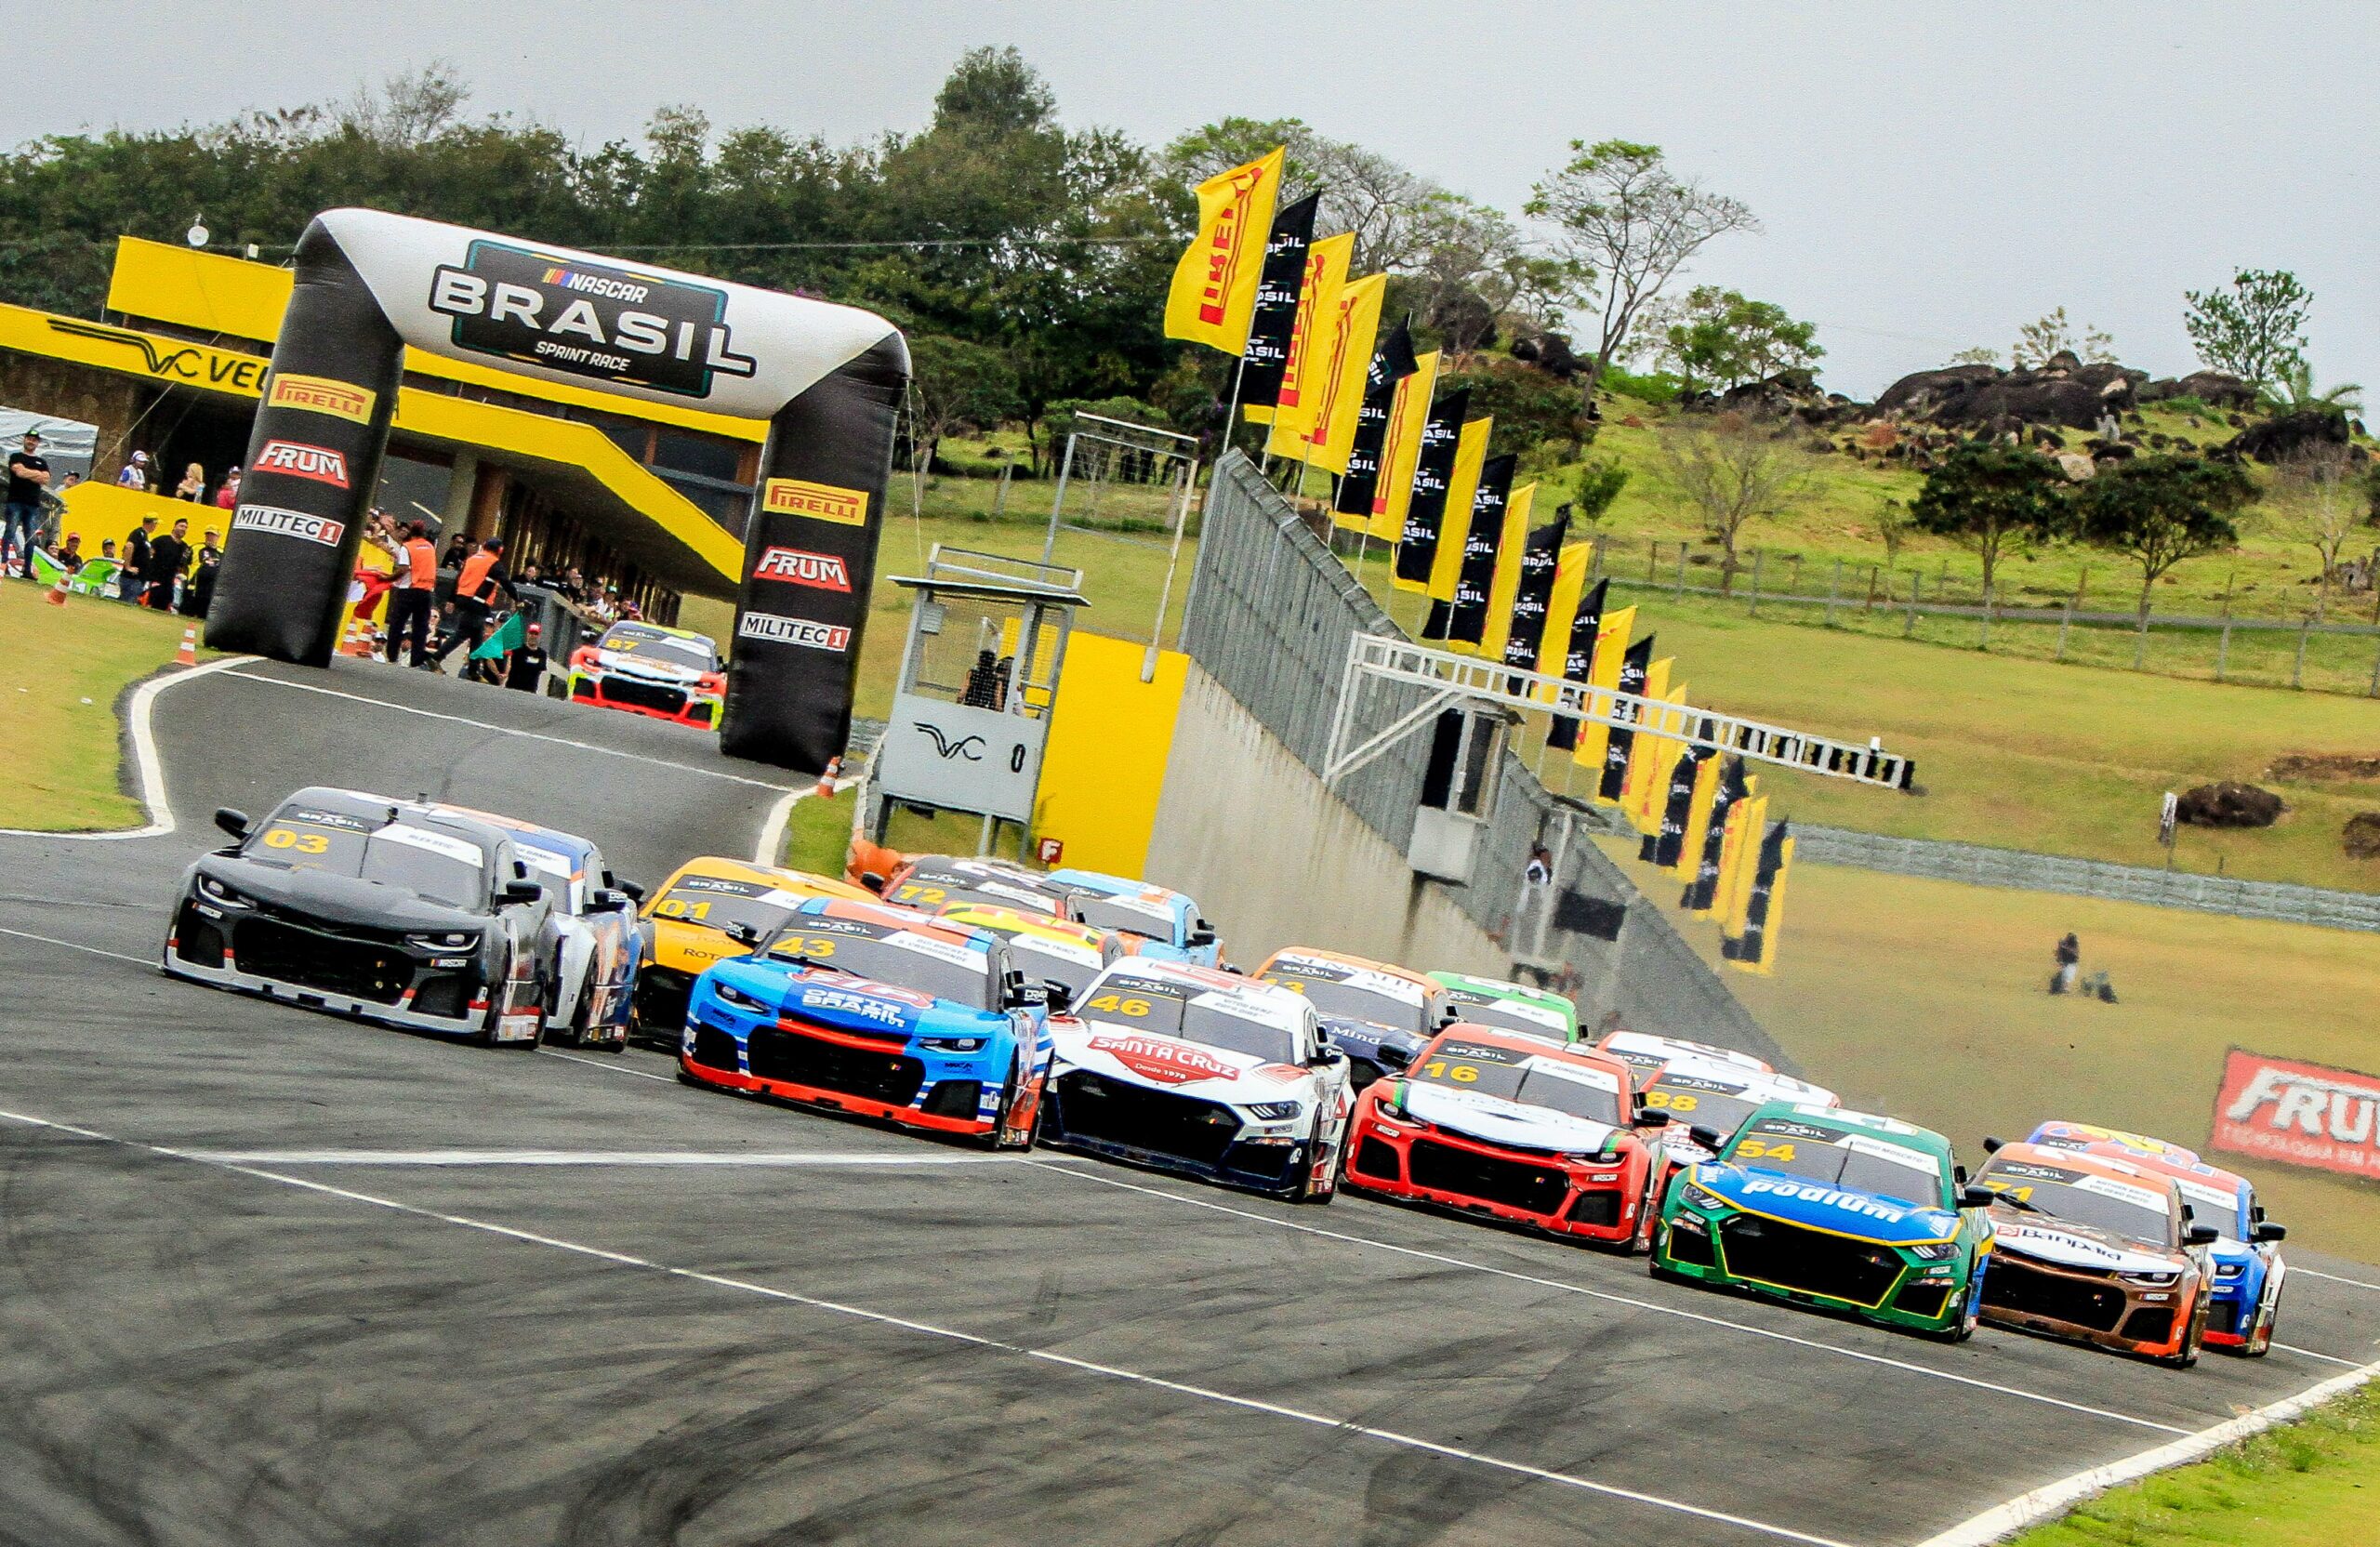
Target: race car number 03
<point>1462,1074</point>
<point>305,843</point>
<point>1759,1149</point>
<point>1117,1004</point>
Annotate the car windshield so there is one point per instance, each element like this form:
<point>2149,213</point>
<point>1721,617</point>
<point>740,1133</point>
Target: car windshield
<point>1132,915</point>
<point>718,903</point>
<point>1038,959</point>
<point>1849,1160</point>
<point>1487,1009</point>
<point>1344,993</point>
<point>1700,1103</point>
<point>2211,1203</point>
<point>1181,1010</point>
<point>2135,1213</point>
<point>550,872</point>
<point>434,865</point>
<point>652,645</point>
<point>1504,1072</point>
<point>905,958</point>
<point>931,891</point>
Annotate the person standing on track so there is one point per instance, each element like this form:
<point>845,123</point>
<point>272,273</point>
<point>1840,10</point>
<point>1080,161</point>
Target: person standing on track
<point>526,667</point>
<point>410,600</point>
<point>28,477</point>
<point>484,577</point>
<point>2070,961</point>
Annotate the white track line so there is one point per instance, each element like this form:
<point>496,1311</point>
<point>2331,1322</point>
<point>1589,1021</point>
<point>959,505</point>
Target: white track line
<point>770,850</point>
<point>147,768</point>
<point>2332,1278</point>
<point>509,731</point>
<point>948,1334</point>
<point>612,1064</point>
<point>2309,1354</point>
<point>398,1158</point>
<point>73,946</point>
<point>2053,1498</point>
<point>1606,1295</point>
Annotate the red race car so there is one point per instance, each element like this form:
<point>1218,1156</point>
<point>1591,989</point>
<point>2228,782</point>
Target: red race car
<point>1510,1125</point>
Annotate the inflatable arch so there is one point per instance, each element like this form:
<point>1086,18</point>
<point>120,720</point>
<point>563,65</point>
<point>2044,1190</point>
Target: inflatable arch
<point>828,379</point>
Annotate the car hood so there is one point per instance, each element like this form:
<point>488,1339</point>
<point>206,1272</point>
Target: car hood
<point>660,671</point>
<point>2071,1245</point>
<point>1355,1028</point>
<point>1823,1206</point>
<point>1495,1120</point>
<point>1164,1062</point>
<point>340,899</point>
<point>840,1001</point>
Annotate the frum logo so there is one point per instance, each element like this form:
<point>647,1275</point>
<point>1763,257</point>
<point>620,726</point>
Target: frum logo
<point>799,567</point>
<point>299,460</point>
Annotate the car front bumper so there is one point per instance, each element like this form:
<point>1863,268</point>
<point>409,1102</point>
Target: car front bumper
<point>654,700</point>
<point>451,1001</point>
<point>1418,1164</point>
<point>897,1081</point>
<point>2080,1305</point>
<point>1879,1283</point>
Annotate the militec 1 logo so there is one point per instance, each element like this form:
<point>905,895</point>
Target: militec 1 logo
<point>806,632</point>
<point>297,460</point>
<point>797,566</point>
<point>288,523</point>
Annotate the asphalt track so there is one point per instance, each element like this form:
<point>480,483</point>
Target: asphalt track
<point>267,1276</point>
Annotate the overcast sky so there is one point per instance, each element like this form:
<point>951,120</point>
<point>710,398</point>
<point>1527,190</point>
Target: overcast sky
<point>1930,177</point>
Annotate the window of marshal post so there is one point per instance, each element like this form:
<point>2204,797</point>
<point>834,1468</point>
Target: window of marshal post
<point>1461,773</point>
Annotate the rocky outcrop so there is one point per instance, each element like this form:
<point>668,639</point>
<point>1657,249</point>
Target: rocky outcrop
<point>2066,392</point>
<point>2214,389</point>
<point>2230,804</point>
<point>2285,434</point>
<point>1549,353</point>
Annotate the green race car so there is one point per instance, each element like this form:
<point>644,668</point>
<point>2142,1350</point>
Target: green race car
<point>1510,1007</point>
<point>1834,1210</point>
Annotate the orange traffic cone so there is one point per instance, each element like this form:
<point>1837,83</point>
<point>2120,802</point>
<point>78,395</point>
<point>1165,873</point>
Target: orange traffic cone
<point>826,789</point>
<point>56,595</point>
<point>188,653</point>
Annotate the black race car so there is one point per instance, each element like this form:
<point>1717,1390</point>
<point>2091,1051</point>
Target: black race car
<point>389,911</point>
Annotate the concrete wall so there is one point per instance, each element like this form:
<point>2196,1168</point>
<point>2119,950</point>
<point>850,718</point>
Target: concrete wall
<point>1275,859</point>
<point>103,399</point>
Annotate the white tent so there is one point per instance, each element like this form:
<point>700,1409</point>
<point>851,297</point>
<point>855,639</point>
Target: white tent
<point>67,446</point>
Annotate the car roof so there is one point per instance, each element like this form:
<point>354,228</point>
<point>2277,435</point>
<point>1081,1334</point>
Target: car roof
<point>1117,886</point>
<point>1315,953</point>
<point>383,808</point>
<point>2180,1170</point>
<point>1278,1004</point>
<point>1656,1044</point>
<point>893,915</point>
<point>2141,1144</point>
<point>1761,1085</point>
<point>1536,1047</point>
<point>985,916</point>
<point>531,833</point>
<point>2112,1168</point>
<point>1873,1125</point>
<point>720,868</point>
<point>1503,989</point>
<point>637,623</point>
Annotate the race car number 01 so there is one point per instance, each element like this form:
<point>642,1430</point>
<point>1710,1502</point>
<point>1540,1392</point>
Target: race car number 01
<point>305,843</point>
<point>678,907</point>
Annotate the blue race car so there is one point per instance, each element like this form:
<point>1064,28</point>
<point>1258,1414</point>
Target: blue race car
<point>591,981</point>
<point>2246,1251</point>
<point>1158,924</point>
<point>880,1011</point>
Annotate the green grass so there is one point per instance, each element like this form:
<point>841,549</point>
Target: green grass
<point>60,673</point>
<point>1928,1000</point>
<point>2314,1483</point>
<point>818,833</point>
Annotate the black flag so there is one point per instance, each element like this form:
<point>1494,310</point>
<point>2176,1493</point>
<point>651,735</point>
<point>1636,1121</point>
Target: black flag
<point>1748,946</point>
<point>1632,666</point>
<point>1392,362</point>
<point>1278,287</point>
<point>1666,847</point>
<point>1540,562</point>
<point>1417,551</point>
<point>1702,893</point>
<point>1466,617</point>
<point>1563,735</point>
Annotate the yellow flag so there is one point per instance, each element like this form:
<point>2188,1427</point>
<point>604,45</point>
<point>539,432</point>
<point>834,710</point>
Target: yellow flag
<point>1462,487</point>
<point>1214,283</point>
<point>1611,643</point>
<point>1698,818</point>
<point>1394,491</point>
<point>1342,359</point>
<point>1326,276</point>
<point>1562,611</point>
<point>1645,749</point>
<point>1506,586</point>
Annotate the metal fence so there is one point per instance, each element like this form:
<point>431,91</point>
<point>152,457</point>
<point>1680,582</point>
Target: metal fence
<point>1269,615</point>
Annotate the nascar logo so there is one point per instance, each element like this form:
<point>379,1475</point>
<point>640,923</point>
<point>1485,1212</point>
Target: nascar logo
<point>819,501</point>
<point>597,284</point>
<point>1167,1062</point>
<point>854,1004</point>
<point>298,460</point>
<point>797,566</point>
<point>320,395</point>
<point>805,632</point>
<point>288,523</point>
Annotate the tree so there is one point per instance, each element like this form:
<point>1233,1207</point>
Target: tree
<point>2158,512</point>
<point>1600,480</point>
<point>1470,267</point>
<point>994,91</point>
<point>955,386</point>
<point>1893,527</point>
<point>2293,393</point>
<point>1986,497</point>
<point>1532,410</point>
<point>1626,223</point>
<point>1715,338</point>
<point>1733,470</point>
<point>2256,330</point>
<point>2317,499</point>
<point>2038,341</point>
<point>1975,356</point>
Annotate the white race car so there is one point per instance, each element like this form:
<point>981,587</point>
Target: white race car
<point>1203,1072</point>
<point>1645,1052</point>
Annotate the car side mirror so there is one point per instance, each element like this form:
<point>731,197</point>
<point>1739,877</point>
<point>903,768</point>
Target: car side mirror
<point>2200,1234</point>
<point>744,935</point>
<point>1991,1147</point>
<point>629,889</point>
<point>519,894</point>
<point>1958,1175</point>
<point>870,881</point>
<point>1203,935</point>
<point>2267,1230</point>
<point>1057,996</point>
<point>604,900</point>
<point>1708,1138</point>
<point>1650,1120</point>
<point>1974,1196</point>
<point>236,822</point>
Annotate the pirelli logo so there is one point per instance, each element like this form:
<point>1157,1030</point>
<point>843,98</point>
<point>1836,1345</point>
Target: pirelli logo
<point>320,395</point>
<point>805,632</point>
<point>288,523</point>
<point>819,501</point>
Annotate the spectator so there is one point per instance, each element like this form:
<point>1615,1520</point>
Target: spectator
<point>70,553</point>
<point>193,484</point>
<point>136,472</point>
<point>417,587</point>
<point>574,584</point>
<point>199,594</point>
<point>134,573</point>
<point>484,577</point>
<point>169,557</point>
<point>526,668</point>
<point>2070,959</point>
<point>28,478</point>
<point>1540,866</point>
<point>228,497</point>
<point>458,550</point>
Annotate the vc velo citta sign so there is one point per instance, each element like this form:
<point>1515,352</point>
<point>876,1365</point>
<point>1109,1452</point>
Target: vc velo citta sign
<point>961,758</point>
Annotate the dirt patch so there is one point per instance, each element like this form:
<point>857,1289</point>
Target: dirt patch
<point>2361,838</point>
<point>2304,767</point>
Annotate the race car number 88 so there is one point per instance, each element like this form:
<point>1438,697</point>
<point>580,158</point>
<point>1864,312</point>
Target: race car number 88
<point>305,843</point>
<point>1672,1101</point>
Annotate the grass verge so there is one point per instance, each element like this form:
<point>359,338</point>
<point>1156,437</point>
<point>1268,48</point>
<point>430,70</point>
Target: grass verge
<point>2314,1483</point>
<point>62,670</point>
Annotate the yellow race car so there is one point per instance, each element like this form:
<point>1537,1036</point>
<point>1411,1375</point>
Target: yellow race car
<point>1045,949</point>
<point>685,928</point>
